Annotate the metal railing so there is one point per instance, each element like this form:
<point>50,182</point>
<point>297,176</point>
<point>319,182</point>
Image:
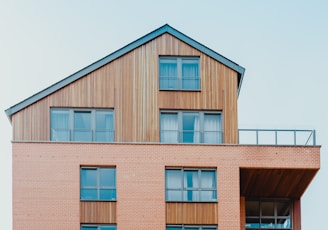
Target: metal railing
<point>277,137</point>
<point>191,136</point>
<point>82,135</point>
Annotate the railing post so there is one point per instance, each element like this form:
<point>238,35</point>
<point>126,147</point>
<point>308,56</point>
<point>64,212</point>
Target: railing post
<point>257,136</point>
<point>314,137</point>
<point>276,137</point>
<point>238,141</point>
<point>294,137</point>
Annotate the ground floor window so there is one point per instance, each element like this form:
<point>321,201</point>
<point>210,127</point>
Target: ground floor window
<point>268,214</point>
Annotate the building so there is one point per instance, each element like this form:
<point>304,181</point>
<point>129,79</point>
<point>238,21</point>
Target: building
<point>147,138</point>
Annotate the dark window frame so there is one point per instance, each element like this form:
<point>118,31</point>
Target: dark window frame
<point>260,220</point>
<point>71,131</point>
<point>180,133</point>
<point>186,192</point>
<point>179,81</point>
<point>97,226</point>
<point>194,227</point>
<point>98,187</point>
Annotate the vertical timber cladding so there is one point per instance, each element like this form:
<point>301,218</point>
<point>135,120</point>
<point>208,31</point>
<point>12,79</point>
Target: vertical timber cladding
<point>191,213</point>
<point>95,90</point>
<point>218,89</point>
<point>96,212</point>
<point>130,85</point>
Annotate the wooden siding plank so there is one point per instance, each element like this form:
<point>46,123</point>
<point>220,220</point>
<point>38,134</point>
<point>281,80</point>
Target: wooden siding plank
<point>191,213</point>
<point>257,182</point>
<point>95,212</point>
<point>242,213</point>
<point>296,215</point>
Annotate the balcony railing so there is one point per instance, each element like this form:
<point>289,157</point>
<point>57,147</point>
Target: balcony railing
<point>277,137</point>
<point>191,136</point>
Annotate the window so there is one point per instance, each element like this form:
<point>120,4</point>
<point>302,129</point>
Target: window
<point>187,184</point>
<point>179,73</point>
<point>268,214</point>
<point>190,227</point>
<point>98,183</point>
<point>98,227</point>
<point>191,127</point>
<point>82,125</point>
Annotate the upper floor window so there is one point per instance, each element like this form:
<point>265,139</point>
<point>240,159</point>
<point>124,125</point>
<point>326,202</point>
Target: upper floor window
<point>268,214</point>
<point>98,183</point>
<point>190,227</point>
<point>98,227</point>
<point>187,184</point>
<point>179,73</point>
<point>82,125</point>
<point>191,127</point>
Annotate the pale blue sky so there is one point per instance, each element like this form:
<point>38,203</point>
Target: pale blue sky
<point>282,44</point>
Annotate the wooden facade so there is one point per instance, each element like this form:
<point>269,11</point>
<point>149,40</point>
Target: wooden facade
<point>192,213</point>
<point>130,86</point>
<point>95,212</point>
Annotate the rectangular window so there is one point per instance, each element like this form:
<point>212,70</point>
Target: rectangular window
<point>85,125</point>
<point>191,127</point>
<point>98,227</point>
<point>268,214</point>
<point>98,183</point>
<point>190,227</point>
<point>179,73</point>
<point>190,185</point>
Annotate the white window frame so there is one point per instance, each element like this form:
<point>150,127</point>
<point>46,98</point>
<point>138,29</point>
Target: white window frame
<point>179,61</point>
<point>71,130</point>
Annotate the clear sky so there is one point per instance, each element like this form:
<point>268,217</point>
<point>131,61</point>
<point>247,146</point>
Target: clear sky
<point>282,44</point>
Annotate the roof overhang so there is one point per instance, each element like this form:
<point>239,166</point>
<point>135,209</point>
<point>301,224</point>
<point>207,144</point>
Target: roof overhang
<point>259,182</point>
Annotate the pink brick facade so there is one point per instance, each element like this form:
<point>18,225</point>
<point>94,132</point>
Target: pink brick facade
<point>46,179</point>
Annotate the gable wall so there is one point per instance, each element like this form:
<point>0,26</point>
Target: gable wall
<point>130,85</point>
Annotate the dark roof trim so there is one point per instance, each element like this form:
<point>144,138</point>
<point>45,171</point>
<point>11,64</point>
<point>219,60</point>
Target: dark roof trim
<point>133,45</point>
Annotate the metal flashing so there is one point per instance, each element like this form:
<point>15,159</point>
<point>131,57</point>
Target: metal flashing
<point>120,52</point>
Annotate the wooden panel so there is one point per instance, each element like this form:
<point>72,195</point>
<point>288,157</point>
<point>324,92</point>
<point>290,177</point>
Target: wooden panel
<point>130,85</point>
<point>96,212</point>
<point>230,107</point>
<point>242,213</point>
<point>191,213</point>
<point>296,215</point>
<point>275,182</point>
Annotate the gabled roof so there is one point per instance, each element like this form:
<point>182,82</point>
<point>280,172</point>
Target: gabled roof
<point>133,45</point>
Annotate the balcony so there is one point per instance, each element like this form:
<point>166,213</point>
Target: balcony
<point>277,137</point>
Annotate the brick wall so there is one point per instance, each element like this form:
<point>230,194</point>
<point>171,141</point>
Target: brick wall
<point>46,179</point>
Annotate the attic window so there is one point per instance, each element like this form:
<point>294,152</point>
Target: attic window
<point>179,73</point>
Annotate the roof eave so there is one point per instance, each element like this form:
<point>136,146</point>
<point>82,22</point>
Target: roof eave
<point>92,67</point>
